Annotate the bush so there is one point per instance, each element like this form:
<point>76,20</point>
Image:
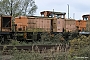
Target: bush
<point>80,46</point>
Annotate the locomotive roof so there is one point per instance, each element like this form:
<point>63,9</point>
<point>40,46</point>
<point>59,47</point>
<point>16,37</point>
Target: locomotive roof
<point>56,13</point>
<point>5,16</point>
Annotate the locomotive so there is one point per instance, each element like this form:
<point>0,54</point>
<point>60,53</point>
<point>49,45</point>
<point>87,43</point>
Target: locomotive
<point>8,31</point>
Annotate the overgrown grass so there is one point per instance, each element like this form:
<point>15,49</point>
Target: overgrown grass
<point>25,43</point>
<point>50,54</point>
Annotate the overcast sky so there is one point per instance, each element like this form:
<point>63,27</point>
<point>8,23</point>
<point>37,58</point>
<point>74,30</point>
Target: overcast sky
<point>77,8</point>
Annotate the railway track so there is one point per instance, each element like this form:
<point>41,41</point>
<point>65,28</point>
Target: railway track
<point>33,47</point>
<point>37,48</point>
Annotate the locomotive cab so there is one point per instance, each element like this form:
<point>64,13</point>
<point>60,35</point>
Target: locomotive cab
<point>5,23</point>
